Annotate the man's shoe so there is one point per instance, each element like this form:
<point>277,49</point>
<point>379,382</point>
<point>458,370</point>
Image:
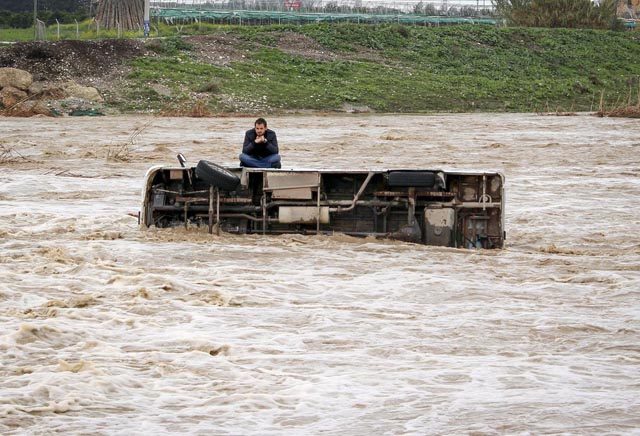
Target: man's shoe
<point>276,165</point>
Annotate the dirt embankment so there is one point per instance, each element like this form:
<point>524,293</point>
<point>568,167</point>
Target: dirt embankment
<point>56,66</point>
<point>86,62</point>
<point>384,69</point>
<point>102,64</point>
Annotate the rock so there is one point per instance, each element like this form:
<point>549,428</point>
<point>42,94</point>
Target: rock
<point>74,90</point>
<point>75,105</point>
<point>352,109</point>
<point>163,90</point>
<point>30,108</point>
<point>15,78</point>
<point>60,91</point>
<point>10,96</point>
<point>47,91</point>
<point>37,87</point>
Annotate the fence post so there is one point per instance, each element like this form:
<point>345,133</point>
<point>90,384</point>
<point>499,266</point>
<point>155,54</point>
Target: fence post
<point>77,29</point>
<point>41,30</point>
<point>35,19</point>
<point>58,25</point>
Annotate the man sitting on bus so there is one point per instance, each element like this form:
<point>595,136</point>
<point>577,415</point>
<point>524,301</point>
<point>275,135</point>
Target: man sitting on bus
<point>260,147</point>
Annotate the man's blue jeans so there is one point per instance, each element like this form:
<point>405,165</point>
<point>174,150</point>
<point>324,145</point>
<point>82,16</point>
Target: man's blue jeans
<point>256,162</point>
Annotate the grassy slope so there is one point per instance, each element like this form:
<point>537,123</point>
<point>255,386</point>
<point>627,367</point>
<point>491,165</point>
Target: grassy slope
<point>407,69</point>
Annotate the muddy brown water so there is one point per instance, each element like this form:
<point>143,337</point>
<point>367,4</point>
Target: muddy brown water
<point>108,329</point>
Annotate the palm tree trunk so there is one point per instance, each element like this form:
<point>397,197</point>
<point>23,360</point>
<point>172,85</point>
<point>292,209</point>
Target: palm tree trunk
<point>125,14</point>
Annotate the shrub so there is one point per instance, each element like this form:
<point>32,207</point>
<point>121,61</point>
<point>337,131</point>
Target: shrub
<point>559,13</point>
<point>211,87</point>
<point>170,46</point>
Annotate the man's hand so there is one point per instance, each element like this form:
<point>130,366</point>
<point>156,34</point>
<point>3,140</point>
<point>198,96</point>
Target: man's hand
<point>260,139</point>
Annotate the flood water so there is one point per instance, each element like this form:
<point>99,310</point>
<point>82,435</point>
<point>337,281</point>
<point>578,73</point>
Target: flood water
<point>107,329</point>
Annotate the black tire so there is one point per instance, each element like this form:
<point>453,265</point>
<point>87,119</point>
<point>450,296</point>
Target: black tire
<point>419,179</point>
<point>218,176</point>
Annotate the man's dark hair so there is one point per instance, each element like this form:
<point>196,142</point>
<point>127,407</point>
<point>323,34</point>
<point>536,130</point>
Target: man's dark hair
<point>261,121</point>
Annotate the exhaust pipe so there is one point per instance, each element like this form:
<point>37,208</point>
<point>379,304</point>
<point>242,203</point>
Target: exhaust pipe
<point>182,160</point>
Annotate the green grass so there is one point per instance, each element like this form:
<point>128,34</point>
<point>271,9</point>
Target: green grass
<point>84,30</point>
<point>17,34</point>
<point>390,68</point>
<point>415,69</point>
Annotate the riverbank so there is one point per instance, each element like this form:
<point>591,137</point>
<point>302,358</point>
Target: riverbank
<point>346,68</point>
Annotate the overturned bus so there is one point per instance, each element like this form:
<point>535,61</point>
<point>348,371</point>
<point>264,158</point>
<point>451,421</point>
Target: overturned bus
<point>433,207</point>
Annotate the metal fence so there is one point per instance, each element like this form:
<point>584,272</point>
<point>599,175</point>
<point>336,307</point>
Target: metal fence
<point>307,11</point>
<point>253,17</point>
<point>425,7</point>
<point>306,4</point>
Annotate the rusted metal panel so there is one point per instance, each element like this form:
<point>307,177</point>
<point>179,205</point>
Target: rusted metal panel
<point>176,174</point>
<point>303,214</point>
<point>439,225</point>
<point>292,184</point>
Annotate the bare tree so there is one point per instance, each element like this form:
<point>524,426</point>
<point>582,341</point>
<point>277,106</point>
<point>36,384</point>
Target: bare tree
<point>125,14</point>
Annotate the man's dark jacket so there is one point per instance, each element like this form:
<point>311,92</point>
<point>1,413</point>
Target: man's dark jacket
<point>262,149</point>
